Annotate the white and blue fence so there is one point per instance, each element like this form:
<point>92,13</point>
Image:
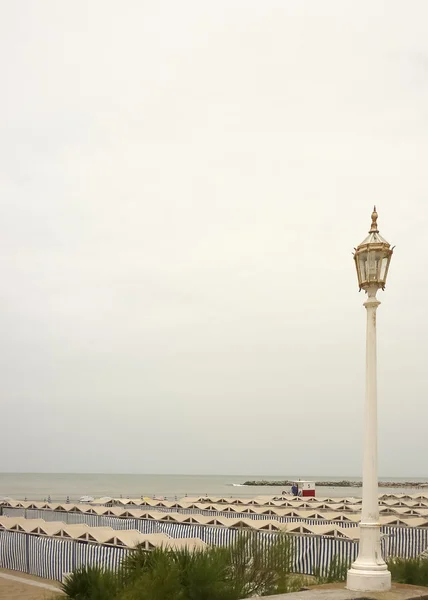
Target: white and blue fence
<point>403,542</point>
<point>52,558</point>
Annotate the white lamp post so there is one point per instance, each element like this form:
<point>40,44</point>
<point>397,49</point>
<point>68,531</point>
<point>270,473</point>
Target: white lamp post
<point>369,572</point>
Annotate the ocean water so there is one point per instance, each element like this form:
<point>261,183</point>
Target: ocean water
<point>39,486</point>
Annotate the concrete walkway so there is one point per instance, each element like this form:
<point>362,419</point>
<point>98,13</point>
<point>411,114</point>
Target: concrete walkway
<point>26,587</point>
<point>337,591</point>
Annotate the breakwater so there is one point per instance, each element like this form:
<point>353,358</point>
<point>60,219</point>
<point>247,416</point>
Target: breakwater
<point>345,483</point>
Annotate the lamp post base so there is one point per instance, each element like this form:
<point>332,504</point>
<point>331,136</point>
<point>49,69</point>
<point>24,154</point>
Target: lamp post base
<point>367,580</point>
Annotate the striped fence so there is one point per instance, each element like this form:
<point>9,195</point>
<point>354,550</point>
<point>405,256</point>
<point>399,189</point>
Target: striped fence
<point>52,558</point>
<point>404,542</point>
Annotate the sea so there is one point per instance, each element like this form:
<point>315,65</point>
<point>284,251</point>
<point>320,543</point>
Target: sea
<point>60,486</point>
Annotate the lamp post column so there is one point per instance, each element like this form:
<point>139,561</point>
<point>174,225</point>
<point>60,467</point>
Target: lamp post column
<point>369,572</point>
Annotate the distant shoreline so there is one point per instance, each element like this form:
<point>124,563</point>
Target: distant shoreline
<point>344,483</point>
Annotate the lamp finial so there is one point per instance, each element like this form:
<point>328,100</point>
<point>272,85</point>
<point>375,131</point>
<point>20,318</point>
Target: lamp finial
<point>373,228</point>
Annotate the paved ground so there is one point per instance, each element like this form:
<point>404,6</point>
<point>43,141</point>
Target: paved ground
<point>18,586</point>
<point>337,591</point>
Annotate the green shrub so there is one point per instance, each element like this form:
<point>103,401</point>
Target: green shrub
<point>140,561</point>
<point>337,571</point>
<point>246,568</point>
<point>413,571</point>
<point>262,569</point>
<point>204,574</point>
<point>91,583</point>
<point>159,579</point>
<point>179,574</point>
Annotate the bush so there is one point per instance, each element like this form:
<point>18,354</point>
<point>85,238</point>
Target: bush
<point>260,569</point>
<point>247,567</point>
<point>413,571</point>
<point>159,582</point>
<point>337,571</point>
<point>178,575</point>
<point>92,583</point>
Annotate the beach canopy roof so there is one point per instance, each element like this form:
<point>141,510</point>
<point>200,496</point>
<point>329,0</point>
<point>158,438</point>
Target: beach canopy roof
<point>395,510</point>
<point>299,508</point>
<point>129,538</point>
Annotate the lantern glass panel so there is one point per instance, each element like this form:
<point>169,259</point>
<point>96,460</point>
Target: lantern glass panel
<point>383,268</point>
<point>372,267</point>
<point>362,269</point>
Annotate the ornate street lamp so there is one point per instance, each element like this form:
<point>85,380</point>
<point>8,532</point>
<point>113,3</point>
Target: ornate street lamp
<point>369,572</point>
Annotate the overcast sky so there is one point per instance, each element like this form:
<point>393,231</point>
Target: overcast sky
<point>182,184</point>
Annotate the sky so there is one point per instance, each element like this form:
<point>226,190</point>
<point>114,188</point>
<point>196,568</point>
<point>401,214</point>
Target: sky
<point>182,185</point>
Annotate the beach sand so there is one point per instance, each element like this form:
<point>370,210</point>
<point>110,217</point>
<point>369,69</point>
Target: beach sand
<point>13,590</point>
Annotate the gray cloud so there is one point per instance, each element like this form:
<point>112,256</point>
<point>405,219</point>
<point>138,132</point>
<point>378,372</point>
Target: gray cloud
<point>181,187</point>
